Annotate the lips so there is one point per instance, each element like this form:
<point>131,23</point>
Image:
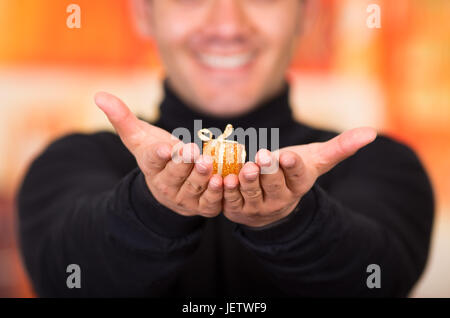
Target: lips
<point>226,62</point>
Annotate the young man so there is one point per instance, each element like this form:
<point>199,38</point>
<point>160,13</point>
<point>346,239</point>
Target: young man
<point>137,223</point>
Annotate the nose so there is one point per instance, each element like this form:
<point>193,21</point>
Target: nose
<point>226,19</point>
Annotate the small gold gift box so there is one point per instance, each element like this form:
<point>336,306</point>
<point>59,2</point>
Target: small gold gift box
<point>228,155</point>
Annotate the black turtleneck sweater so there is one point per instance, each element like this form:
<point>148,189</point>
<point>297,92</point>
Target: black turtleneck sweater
<point>85,202</point>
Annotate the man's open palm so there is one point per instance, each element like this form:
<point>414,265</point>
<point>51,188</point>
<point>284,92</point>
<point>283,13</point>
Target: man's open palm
<point>257,199</point>
<point>176,185</point>
<point>252,198</point>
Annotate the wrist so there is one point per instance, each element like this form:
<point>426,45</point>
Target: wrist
<point>285,228</point>
<point>157,217</point>
<point>280,217</point>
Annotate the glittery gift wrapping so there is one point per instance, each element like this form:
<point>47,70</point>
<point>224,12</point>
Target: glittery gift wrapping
<point>228,156</point>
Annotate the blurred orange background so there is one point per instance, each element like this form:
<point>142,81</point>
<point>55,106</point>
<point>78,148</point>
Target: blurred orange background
<point>395,78</point>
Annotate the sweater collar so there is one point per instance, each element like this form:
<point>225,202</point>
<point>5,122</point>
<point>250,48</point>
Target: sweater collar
<point>272,113</point>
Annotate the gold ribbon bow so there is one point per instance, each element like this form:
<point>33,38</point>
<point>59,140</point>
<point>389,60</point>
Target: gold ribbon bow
<point>226,133</point>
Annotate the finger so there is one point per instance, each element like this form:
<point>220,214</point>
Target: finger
<point>155,158</point>
<point>175,173</point>
<point>232,198</point>
<point>196,183</point>
<point>249,186</point>
<point>330,153</point>
<point>132,131</point>
<point>294,170</point>
<point>127,125</point>
<point>273,184</point>
<point>210,203</point>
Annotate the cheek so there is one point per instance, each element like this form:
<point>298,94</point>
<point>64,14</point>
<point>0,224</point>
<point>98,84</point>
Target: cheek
<point>172,49</point>
<point>276,57</point>
<point>170,36</point>
<point>173,32</point>
<point>279,29</point>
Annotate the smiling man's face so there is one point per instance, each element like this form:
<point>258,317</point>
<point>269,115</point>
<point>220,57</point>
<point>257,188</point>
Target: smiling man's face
<point>223,57</point>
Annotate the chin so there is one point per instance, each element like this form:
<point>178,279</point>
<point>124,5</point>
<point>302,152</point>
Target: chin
<point>226,103</point>
<point>229,109</point>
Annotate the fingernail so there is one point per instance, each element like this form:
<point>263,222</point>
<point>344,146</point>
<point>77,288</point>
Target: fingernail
<point>265,160</point>
<point>201,167</point>
<point>214,185</point>
<point>190,153</point>
<point>251,176</point>
<point>187,156</point>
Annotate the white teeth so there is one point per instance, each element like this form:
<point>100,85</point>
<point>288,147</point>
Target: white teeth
<point>220,61</point>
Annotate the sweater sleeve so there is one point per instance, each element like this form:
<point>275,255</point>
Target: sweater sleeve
<point>76,207</point>
<point>376,208</point>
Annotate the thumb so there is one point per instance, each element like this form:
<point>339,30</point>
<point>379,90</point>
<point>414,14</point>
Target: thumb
<point>328,154</point>
<point>132,131</point>
<point>126,124</point>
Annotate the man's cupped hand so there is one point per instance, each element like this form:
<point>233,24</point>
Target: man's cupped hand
<point>254,197</point>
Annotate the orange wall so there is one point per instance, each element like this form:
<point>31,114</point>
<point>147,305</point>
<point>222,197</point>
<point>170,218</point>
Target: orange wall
<point>408,57</point>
